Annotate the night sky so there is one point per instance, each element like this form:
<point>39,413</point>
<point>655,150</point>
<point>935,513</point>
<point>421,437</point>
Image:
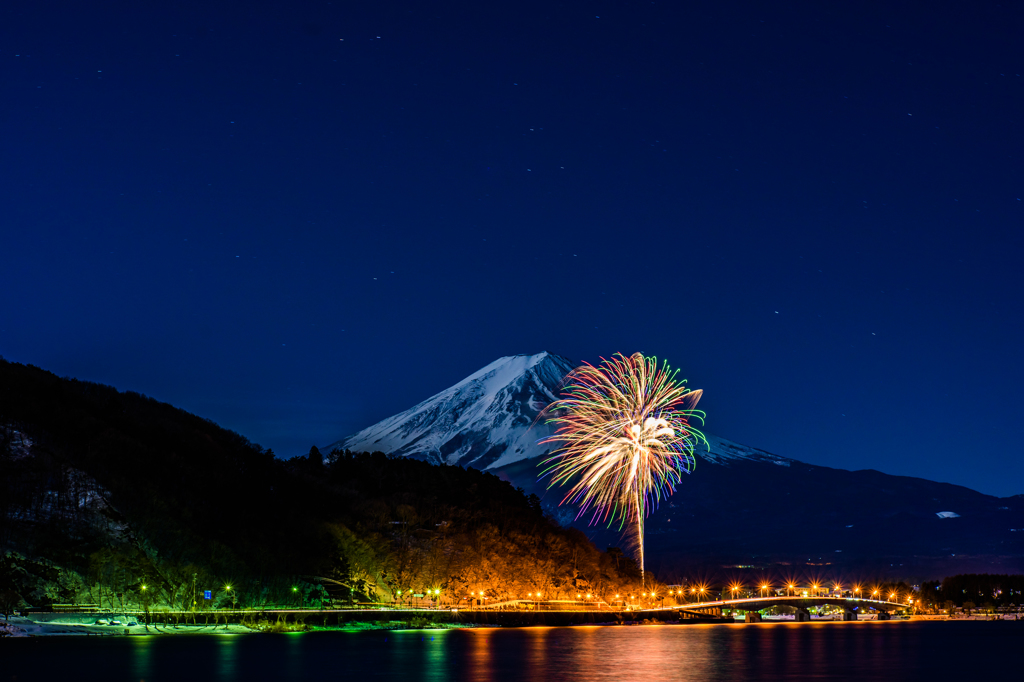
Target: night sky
<point>298,218</point>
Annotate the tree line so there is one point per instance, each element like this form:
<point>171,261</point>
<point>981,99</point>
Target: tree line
<point>112,498</point>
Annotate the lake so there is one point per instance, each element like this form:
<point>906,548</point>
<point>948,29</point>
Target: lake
<point>894,650</point>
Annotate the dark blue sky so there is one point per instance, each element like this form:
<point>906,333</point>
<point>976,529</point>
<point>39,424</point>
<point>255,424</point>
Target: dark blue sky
<point>299,218</point>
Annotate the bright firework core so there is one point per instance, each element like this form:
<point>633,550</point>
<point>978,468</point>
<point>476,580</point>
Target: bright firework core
<point>625,439</point>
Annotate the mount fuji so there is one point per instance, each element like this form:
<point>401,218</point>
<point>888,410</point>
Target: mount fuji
<point>741,507</point>
<point>487,420</point>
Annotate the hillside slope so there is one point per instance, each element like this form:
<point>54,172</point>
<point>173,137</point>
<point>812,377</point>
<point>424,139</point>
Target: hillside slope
<point>741,506</point>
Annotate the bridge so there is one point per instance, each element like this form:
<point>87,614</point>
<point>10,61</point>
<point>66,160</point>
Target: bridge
<point>851,606</point>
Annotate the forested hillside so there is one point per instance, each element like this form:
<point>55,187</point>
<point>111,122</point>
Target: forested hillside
<point>103,492</point>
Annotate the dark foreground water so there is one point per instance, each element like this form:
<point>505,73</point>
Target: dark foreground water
<point>896,650</point>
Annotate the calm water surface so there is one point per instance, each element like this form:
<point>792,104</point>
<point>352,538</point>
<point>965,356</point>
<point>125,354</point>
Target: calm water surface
<point>895,650</point>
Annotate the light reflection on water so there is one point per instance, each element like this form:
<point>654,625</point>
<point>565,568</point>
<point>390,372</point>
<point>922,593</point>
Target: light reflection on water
<point>142,657</point>
<point>228,654</point>
<point>876,651</point>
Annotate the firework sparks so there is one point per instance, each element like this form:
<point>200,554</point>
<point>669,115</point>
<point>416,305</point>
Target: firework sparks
<point>625,439</point>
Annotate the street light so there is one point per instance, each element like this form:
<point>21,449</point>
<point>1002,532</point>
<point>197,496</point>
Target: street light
<point>790,591</point>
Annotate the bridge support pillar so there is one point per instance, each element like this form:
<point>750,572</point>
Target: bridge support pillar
<point>803,615</point>
<point>849,615</point>
<point>752,617</point>
<point>884,615</point>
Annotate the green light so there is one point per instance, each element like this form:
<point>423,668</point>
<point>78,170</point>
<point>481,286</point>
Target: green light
<point>295,589</point>
<point>143,588</point>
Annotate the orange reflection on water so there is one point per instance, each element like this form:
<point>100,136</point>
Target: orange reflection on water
<point>478,657</point>
<point>646,652</point>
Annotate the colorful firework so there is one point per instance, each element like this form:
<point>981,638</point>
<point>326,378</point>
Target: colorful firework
<point>625,439</point>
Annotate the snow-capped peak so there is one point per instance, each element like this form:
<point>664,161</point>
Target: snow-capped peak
<point>487,420</point>
<point>490,420</point>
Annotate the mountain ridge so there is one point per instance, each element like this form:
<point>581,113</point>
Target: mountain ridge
<point>741,504</point>
<point>487,420</point>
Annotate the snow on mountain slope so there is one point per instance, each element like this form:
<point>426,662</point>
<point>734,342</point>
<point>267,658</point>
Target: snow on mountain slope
<point>486,420</point>
<point>721,451</point>
<point>489,420</point>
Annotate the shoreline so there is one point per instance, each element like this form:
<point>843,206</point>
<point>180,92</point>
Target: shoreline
<point>19,627</point>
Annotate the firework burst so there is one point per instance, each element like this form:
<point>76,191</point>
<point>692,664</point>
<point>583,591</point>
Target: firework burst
<point>625,439</point>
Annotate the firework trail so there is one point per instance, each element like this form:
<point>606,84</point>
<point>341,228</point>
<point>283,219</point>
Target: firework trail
<point>625,439</point>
